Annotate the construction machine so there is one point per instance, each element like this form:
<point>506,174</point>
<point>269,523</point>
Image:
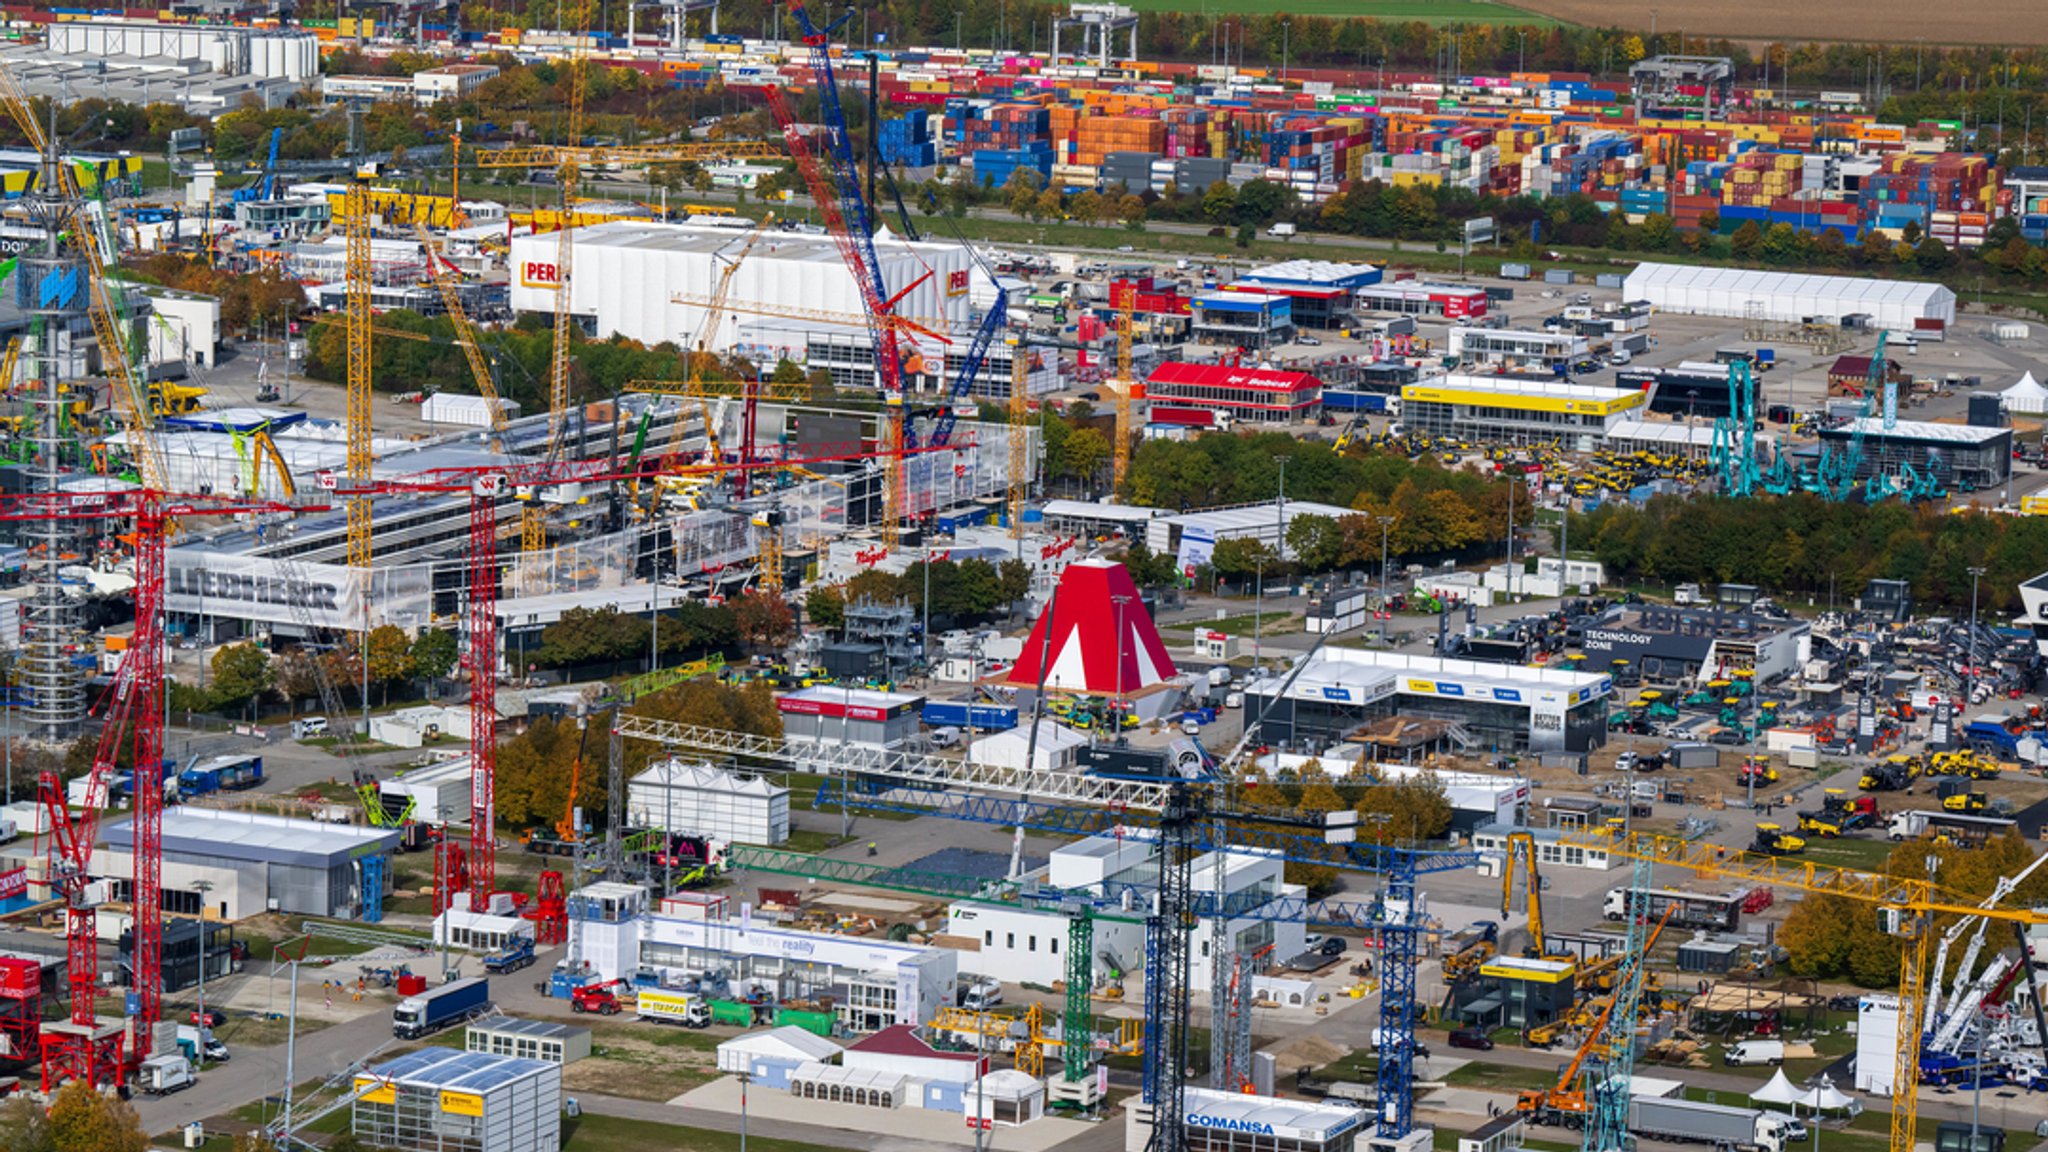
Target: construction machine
<point>1838,814</point>
<point>1892,774</point>
<point>167,398</point>
<point>1966,802</point>
<point>1564,1104</point>
<point>1773,840</point>
<point>1757,769</point>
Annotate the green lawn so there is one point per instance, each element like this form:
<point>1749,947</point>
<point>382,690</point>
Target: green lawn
<point>1402,11</point>
<point>1848,852</point>
<point>592,1133</point>
<point>1267,624</point>
<point>1502,1077</point>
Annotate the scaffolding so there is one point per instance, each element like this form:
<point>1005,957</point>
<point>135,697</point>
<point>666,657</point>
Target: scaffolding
<point>887,625</point>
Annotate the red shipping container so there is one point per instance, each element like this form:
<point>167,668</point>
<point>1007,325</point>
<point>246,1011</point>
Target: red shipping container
<point>19,979</point>
<point>410,985</point>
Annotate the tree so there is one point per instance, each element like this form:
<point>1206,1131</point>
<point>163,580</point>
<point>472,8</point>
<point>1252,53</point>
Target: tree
<point>1013,580</point>
<point>24,1127</point>
<point>1746,240</point>
<point>1219,202</point>
<point>1932,255</point>
<point>825,607</point>
<point>1245,234</point>
<point>435,653</point>
<point>1049,204</point>
<point>764,620</point>
<point>1240,556</point>
<point>1317,797</point>
<point>296,677</point>
<point>1132,209</point>
<point>241,673</point>
<point>1021,193</point>
<point>1084,454</point>
<point>1087,207</point>
<point>1314,542</point>
<point>1412,811</point>
<point>390,654</point>
<point>82,1120</point>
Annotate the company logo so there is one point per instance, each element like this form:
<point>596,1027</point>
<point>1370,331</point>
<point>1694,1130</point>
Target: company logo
<point>869,557</point>
<point>1057,548</point>
<point>539,274</point>
<point>1337,694</point>
<point>1424,686</point>
<point>1507,694</point>
<point>252,589</point>
<point>956,283</point>
<point>798,947</point>
<point>13,883</point>
<point>1606,637</point>
<point>1444,689</point>
<point>1227,1124</point>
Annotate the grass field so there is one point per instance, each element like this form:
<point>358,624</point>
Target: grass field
<point>1901,21</point>
<point>1398,11</point>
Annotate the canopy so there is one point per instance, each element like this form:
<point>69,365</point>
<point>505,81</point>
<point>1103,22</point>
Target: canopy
<point>2027,396</point>
<point>1778,1091</point>
<point>1827,1098</point>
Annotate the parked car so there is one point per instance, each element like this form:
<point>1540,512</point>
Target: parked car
<point>214,1018</point>
<point>1471,1038</point>
<point>1311,341</point>
<point>1626,762</point>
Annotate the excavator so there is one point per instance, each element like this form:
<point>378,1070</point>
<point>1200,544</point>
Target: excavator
<point>1564,1104</point>
<point>1521,848</point>
<point>563,840</point>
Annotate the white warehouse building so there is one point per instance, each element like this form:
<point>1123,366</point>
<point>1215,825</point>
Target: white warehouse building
<point>1787,297</point>
<point>704,801</point>
<point>627,274</point>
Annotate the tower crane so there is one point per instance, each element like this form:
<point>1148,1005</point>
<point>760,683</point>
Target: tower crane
<point>1125,386</point>
<point>86,1047</point>
<point>465,333</point>
<point>1905,906</point>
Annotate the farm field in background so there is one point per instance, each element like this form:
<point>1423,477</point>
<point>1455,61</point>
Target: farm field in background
<point>1896,22</point>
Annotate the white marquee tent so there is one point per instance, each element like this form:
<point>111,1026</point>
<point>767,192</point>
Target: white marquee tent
<point>2026,397</point>
<point>1787,297</point>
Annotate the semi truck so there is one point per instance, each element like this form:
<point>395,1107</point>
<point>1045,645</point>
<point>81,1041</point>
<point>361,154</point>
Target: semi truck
<point>1958,826</point>
<point>437,1008</point>
<point>666,1007</point>
<point>221,774</point>
<point>1691,1122</point>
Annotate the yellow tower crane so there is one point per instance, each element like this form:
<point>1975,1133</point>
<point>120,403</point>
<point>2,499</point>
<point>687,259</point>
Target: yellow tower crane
<point>1905,905</point>
<point>1125,386</point>
<point>465,335</point>
<point>359,315</point>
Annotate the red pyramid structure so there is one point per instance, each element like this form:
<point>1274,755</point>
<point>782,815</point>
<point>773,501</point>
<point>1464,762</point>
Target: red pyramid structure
<point>1083,654</point>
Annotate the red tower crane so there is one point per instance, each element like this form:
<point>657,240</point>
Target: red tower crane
<point>85,1047</point>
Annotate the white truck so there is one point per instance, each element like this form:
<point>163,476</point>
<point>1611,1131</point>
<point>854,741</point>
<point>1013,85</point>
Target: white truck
<point>1746,1052</point>
<point>195,1042</point>
<point>666,1007</point>
<point>1691,1122</point>
<point>981,995</point>
<point>1281,230</point>
<point>161,1075</point>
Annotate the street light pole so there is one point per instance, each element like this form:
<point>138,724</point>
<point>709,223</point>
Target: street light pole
<point>1970,676</point>
<point>745,1078</point>
<point>1386,522</point>
<point>1280,512</point>
<point>1258,604</point>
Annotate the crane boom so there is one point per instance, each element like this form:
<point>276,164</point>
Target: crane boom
<point>451,299</point>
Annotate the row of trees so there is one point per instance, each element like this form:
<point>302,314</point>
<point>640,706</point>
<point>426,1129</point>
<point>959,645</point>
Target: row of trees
<point>1412,811</point>
<point>1805,546</point>
<point>534,766</point>
<point>586,637</point>
<point>1834,937</point>
<point>244,676</point>
<point>961,591</point>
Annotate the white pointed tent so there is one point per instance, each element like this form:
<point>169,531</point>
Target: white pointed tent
<point>2027,397</point>
<point>1779,1091</point>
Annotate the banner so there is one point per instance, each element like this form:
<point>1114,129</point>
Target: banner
<point>197,582</point>
<point>1197,545</point>
<point>14,883</point>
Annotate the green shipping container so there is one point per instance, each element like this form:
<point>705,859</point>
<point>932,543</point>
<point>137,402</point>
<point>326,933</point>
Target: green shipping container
<point>817,1023</point>
<point>732,1012</point>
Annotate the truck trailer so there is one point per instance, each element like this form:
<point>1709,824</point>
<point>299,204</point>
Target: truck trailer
<point>1691,1122</point>
<point>437,1008</point>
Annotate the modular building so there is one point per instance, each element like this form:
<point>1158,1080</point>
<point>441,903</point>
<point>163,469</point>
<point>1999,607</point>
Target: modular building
<point>1673,645</point>
<point>1323,293</point>
<point>298,867</point>
<point>1788,297</point>
<point>1516,348</point>
<point>1253,395</point>
<point>1496,409</point>
<point>442,1100</point>
<point>1239,1122</point>
<point>1506,707</point>
<point>700,800</point>
<point>1960,457</point>
<point>1023,946</point>
<point>771,1056</point>
<point>545,1040</point>
<point>1415,298</point>
<point>436,794</point>
<point>831,714</point>
<point>1249,320</point>
<point>628,274</point>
